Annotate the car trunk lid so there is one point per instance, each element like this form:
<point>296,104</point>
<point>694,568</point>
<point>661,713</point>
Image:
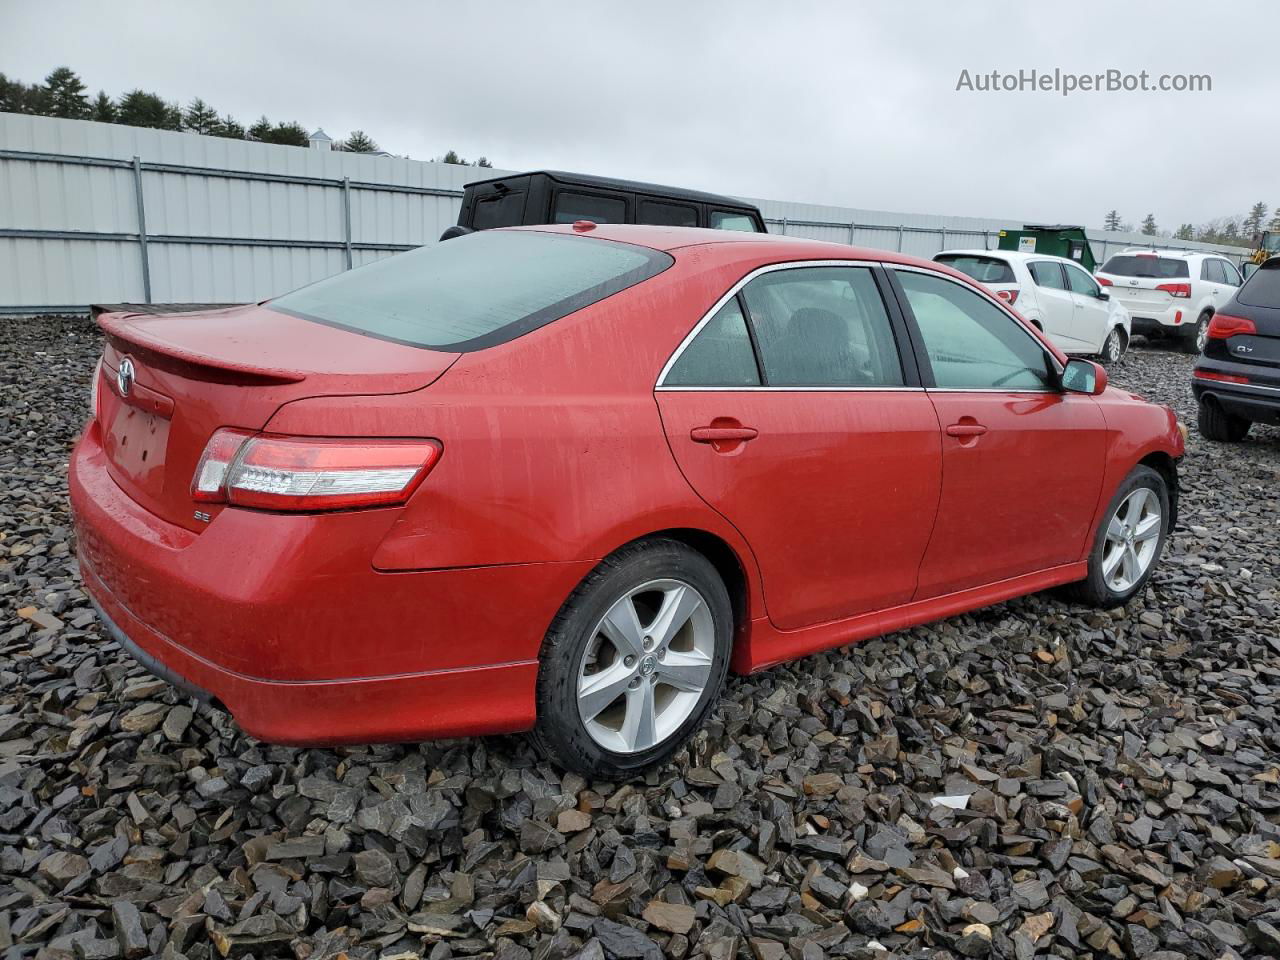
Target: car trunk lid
<point>168,381</point>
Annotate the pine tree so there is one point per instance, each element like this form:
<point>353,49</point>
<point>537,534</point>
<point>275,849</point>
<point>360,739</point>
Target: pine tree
<point>1275,221</point>
<point>452,157</point>
<point>1112,221</point>
<point>138,108</point>
<point>199,117</point>
<point>64,95</point>
<point>228,127</point>
<point>360,142</point>
<point>1149,225</point>
<point>103,109</point>
<point>19,97</point>
<point>1256,218</point>
<point>260,130</point>
<point>1186,232</point>
<point>483,162</point>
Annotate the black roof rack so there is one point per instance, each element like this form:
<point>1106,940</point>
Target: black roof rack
<point>614,183</point>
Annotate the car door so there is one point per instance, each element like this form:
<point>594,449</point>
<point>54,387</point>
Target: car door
<point>1022,461</point>
<point>1092,319</point>
<point>1057,307</point>
<point>791,412</point>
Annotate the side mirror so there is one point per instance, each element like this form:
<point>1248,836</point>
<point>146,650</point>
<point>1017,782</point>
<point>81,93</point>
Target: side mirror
<point>1084,376</point>
<point>1102,294</point>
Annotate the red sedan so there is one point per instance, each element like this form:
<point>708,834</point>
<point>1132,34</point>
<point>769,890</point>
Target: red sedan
<point>564,478</point>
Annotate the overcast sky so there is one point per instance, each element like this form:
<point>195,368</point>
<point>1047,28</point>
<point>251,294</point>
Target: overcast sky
<point>844,103</point>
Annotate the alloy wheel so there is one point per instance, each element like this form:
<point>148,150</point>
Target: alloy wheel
<point>1133,534</point>
<point>1112,349</point>
<point>1202,335</point>
<point>646,665</point>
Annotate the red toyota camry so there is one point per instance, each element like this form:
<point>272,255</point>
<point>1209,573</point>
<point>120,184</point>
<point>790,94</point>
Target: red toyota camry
<point>565,478</point>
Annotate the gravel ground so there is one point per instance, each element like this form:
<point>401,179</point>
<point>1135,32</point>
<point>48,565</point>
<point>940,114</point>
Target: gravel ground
<point>1108,780</point>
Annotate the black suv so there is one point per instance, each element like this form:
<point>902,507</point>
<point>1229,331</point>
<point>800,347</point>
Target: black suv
<point>550,196</point>
<point>1237,378</point>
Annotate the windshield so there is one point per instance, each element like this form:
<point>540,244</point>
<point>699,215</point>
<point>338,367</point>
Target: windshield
<point>1145,266</point>
<point>474,291</point>
<point>982,269</point>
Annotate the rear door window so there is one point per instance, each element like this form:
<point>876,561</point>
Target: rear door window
<point>571,207</point>
<point>822,327</point>
<point>667,214</point>
<point>444,297</point>
<point>727,220</point>
<point>1211,270</point>
<point>982,269</point>
<point>1046,273</point>
<point>1143,266</point>
<point>1231,273</point>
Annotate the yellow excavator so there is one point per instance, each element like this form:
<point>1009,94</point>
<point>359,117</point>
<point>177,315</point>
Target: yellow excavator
<point>1265,245</point>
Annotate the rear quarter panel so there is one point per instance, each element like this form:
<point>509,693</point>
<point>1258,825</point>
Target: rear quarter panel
<point>553,449</point>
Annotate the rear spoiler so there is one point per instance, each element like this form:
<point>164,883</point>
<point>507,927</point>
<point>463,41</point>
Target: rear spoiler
<point>128,333</point>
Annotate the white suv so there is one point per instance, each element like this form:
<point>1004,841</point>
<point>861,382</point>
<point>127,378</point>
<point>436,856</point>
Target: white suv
<point>1055,294</point>
<point>1171,292</point>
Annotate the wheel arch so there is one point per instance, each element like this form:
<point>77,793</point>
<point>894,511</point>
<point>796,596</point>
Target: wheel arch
<point>1165,465</point>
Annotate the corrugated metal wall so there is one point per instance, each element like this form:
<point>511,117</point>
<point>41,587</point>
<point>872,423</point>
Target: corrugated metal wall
<point>254,220</point>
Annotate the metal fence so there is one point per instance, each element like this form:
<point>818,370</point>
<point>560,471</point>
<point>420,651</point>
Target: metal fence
<point>93,213</point>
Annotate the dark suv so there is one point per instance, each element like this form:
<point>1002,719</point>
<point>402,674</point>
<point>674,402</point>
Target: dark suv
<point>551,196</point>
<point>1237,378</point>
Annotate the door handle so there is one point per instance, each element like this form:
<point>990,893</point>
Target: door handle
<point>966,430</point>
<point>722,434</point>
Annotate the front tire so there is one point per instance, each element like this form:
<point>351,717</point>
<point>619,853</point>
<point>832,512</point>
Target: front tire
<point>1218,425</point>
<point>1197,338</point>
<point>1129,540</point>
<point>634,661</point>
<point>1113,347</point>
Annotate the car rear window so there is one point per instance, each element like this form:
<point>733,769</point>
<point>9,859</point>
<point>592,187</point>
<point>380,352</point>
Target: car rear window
<point>474,291</point>
<point>982,269</point>
<point>1151,268</point>
<point>1263,288</point>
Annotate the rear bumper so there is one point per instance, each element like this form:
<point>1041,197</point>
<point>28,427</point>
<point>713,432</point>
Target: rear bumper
<point>1256,402</point>
<point>284,620</point>
<point>1175,319</point>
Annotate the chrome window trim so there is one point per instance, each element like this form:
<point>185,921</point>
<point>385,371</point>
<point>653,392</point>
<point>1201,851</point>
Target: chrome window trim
<point>774,389</point>
<point>733,292</point>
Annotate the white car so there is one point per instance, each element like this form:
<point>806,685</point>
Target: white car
<point>1055,294</point>
<point>1170,292</point>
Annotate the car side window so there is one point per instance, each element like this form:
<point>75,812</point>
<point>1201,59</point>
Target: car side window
<point>1211,271</point>
<point>1080,282</point>
<point>1231,273</point>
<point>971,343</point>
<point>571,207</point>
<point>724,220</point>
<point>1046,273</point>
<point>823,327</point>
<point>719,356</point>
<point>667,214</point>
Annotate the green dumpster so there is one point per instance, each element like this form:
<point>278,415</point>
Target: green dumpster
<point>1057,240</point>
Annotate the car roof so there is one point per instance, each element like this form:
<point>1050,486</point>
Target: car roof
<point>1006,255</point>
<point>761,244</point>
<point>615,183</point>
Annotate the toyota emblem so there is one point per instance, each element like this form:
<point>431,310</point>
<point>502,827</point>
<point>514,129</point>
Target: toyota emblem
<point>124,376</point>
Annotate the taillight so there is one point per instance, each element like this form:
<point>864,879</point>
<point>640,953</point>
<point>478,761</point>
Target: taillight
<point>1104,281</point>
<point>1223,325</point>
<point>1008,296</point>
<point>1224,377</point>
<point>1176,289</point>
<point>308,474</point>
<point>93,391</point>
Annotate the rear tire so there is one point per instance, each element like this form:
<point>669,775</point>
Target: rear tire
<point>1196,338</point>
<point>1129,541</point>
<point>634,661</point>
<point>1219,426</point>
